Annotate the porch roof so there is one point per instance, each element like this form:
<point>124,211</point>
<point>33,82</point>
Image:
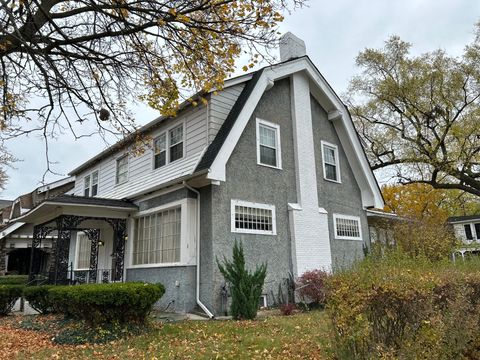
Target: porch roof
<point>77,205</point>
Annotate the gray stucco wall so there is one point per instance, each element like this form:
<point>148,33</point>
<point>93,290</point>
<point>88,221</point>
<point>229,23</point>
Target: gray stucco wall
<point>248,181</point>
<point>179,282</point>
<point>342,198</point>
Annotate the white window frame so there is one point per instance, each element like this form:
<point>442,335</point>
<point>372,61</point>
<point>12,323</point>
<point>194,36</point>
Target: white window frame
<point>166,132</point>
<point>337,161</point>
<point>473,230</point>
<point>347,217</point>
<point>278,148</point>
<point>90,182</point>
<point>116,169</point>
<point>253,205</point>
<point>184,234</point>
<point>77,250</point>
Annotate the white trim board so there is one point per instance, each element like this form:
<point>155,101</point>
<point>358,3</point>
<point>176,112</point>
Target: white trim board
<point>338,114</point>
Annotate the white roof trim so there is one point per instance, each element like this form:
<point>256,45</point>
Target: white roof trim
<point>11,229</point>
<point>323,93</point>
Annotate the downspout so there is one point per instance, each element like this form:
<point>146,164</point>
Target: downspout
<point>199,302</point>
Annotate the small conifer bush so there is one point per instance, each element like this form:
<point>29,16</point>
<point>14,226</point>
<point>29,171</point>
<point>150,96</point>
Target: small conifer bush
<point>246,286</point>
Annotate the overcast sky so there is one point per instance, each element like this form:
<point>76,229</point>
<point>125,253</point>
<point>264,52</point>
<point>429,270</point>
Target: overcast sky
<point>334,33</point>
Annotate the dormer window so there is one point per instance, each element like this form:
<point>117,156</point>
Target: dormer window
<point>90,184</point>
<point>168,147</point>
<point>268,144</point>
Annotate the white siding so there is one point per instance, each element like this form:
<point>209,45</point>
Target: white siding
<point>142,176</point>
<point>219,107</point>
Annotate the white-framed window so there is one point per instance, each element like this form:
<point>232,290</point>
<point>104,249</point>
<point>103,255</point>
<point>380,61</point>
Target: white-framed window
<point>90,184</point>
<point>122,170</point>
<point>268,144</point>
<point>253,218</point>
<point>175,142</point>
<point>83,251</point>
<point>160,150</point>
<point>347,227</point>
<point>168,146</point>
<point>158,237</point>
<point>472,231</point>
<point>331,166</point>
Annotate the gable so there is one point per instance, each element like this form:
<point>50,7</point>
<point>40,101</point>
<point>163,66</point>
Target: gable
<point>218,153</point>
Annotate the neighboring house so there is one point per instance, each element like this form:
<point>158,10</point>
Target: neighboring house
<point>273,160</point>
<point>16,237</point>
<point>467,231</point>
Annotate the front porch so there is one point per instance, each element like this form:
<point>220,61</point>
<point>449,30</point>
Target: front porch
<point>88,238</point>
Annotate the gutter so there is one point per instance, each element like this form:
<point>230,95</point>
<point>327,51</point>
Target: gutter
<point>199,302</point>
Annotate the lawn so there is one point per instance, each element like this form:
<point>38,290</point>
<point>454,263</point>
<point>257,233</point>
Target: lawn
<point>301,336</point>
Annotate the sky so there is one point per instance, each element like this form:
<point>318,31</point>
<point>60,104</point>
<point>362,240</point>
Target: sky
<point>334,33</point>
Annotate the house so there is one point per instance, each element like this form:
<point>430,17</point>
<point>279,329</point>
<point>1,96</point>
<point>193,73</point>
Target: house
<point>467,231</point>
<point>272,160</point>
<point>16,237</point>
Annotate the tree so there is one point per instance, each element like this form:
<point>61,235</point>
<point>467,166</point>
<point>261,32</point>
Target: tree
<point>246,286</point>
<point>423,212</point>
<point>420,115</point>
<point>65,62</point>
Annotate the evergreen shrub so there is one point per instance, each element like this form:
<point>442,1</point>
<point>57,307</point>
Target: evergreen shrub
<point>246,286</point>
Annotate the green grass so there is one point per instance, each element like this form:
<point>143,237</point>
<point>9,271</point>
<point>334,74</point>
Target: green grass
<point>303,335</point>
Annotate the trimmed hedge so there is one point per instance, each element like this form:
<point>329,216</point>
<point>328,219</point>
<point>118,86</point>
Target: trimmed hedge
<point>39,298</point>
<point>9,294</point>
<point>13,279</point>
<point>407,309</point>
<point>107,303</point>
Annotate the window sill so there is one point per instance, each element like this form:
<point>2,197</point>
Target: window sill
<point>333,181</point>
<point>348,238</point>
<point>254,232</point>
<point>270,166</point>
<point>152,266</point>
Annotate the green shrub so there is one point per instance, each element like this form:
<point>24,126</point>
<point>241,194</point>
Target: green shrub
<point>9,294</point>
<point>99,304</point>
<point>400,307</point>
<point>246,286</point>
<point>39,298</point>
<point>13,279</point>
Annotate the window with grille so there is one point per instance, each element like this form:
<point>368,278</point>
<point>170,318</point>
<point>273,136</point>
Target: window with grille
<point>158,238</point>
<point>347,227</point>
<point>160,148</point>
<point>122,169</point>
<point>84,248</point>
<point>176,143</point>
<point>331,169</point>
<point>90,184</point>
<point>268,144</point>
<point>253,218</point>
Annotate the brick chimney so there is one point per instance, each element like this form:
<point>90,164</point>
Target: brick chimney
<point>291,47</point>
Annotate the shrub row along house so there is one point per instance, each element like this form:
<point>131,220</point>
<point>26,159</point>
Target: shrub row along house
<point>272,160</point>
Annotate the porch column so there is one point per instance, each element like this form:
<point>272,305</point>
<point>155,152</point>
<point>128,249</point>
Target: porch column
<point>39,233</point>
<point>94,236</point>
<point>3,258</point>
<point>119,237</point>
<point>61,248</point>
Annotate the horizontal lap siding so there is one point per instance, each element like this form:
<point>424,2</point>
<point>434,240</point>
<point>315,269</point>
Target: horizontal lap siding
<point>142,176</point>
<point>220,106</point>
